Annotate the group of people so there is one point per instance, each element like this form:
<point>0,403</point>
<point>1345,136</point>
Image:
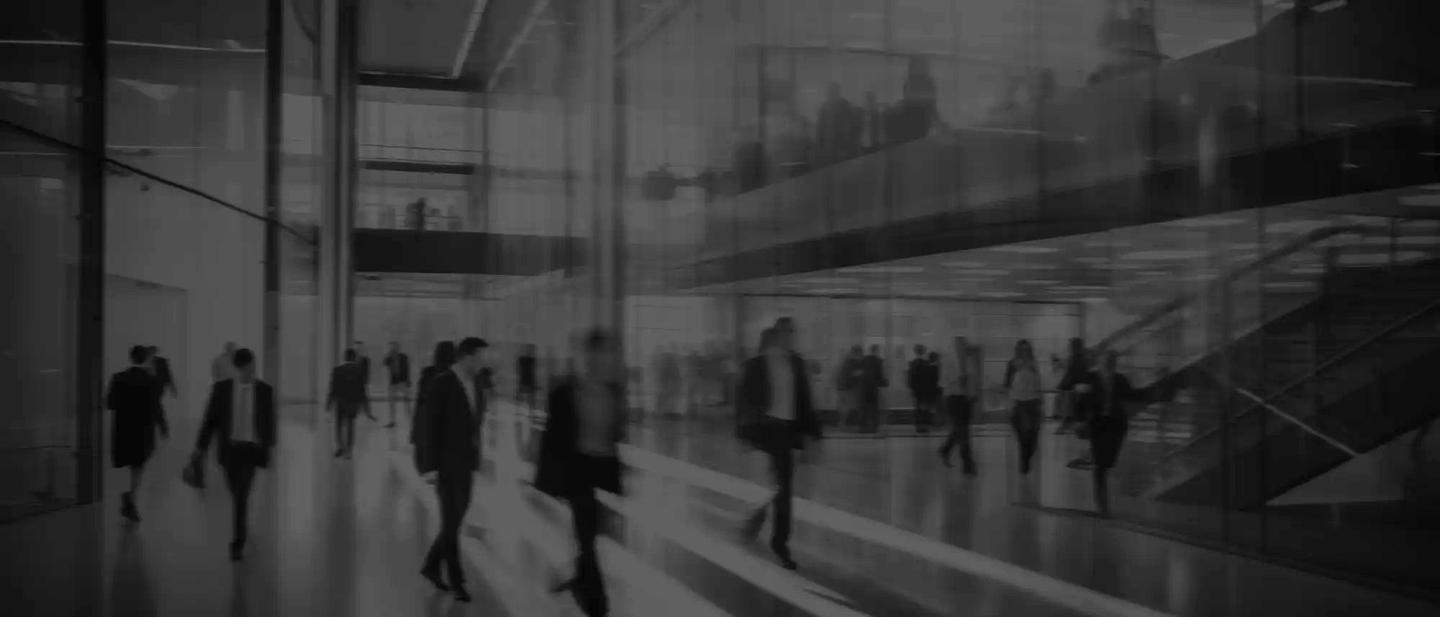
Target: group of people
<point>239,419</point>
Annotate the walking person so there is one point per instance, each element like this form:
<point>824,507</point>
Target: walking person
<point>1105,393</point>
<point>363,359</point>
<point>960,404</point>
<point>579,455</point>
<point>1022,381</point>
<point>455,405</point>
<point>223,366</point>
<point>161,365</point>
<point>872,380</point>
<point>527,381</point>
<point>440,362</point>
<point>240,418</point>
<point>133,396</point>
<point>777,415</point>
<point>1077,367</point>
<point>347,398</point>
<point>848,381</point>
<point>397,363</point>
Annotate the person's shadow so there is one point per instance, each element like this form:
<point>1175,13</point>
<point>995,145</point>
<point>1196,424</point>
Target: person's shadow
<point>132,585</point>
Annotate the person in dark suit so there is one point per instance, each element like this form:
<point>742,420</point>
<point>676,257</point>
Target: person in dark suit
<point>440,362</point>
<point>364,360</point>
<point>240,418</point>
<point>965,394</point>
<point>133,396</point>
<point>527,381</point>
<point>579,455</point>
<point>397,364</point>
<point>871,381</point>
<point>455,402</point>
<point>923,376</point>
<point>1104,396</point>
<point>777,414</point>
<point>347,398</point>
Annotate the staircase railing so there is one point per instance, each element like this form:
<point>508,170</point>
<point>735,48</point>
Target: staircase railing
<point>1267,403</point>
<point>1177,305</point>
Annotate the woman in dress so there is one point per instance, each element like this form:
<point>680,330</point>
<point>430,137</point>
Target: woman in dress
<point>1022,382</point>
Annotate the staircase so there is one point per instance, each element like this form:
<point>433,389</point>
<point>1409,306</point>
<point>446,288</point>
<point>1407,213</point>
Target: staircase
<point>1330,376</point>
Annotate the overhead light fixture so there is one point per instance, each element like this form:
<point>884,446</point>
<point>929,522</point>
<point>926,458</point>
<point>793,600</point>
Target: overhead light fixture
<point>1163,255</point>
<point>1025,249</point>
<point>1205,222</point>
<point>882,270</point>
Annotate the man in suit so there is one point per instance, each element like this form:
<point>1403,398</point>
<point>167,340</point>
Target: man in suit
<point>133,396</point>
<point>347,398</point>
<point>240,417</point>
<point>223,366</point>
<point>364,361</point>
<point>455,402</point>
<point>1105,395</point>
<point>397,364</point>
<point>871,381</point>
<point>777,414</point>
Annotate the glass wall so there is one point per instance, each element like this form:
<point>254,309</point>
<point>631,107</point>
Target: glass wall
<point>1206,188</point>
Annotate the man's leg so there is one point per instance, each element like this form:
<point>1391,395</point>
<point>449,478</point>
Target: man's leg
<point>589,586</point>
<point>784,469</point>
<point>349,433</point>
<point>459,504</point>
<point>395,392</point>
<point>962,428</point>
<point>431,567</point>
<point>240,476</point>
<point>339,431</point>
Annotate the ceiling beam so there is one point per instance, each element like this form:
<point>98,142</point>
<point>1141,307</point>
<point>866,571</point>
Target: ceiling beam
<point>536,8</point>
<point>472,25</point>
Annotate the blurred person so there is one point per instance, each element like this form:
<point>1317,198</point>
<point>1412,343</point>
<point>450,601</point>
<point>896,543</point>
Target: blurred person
<point>579,455</point>
<point>161,365</point>
<point>872,379</point>
<point>848,382</point>
<point>1105,393</point>
<point>455,402</point>
<point>931,392</point>
<point>527,383</point>
<point>1022,381</point>
<point>961,403</point>
<point>838,128</point>
<point>922,376</point>
<point>223,366</point>
<point>1074,369</point>
<point>777,415</point>
<point>133,394</point>
<point>440,362</point>
<point>363,359</point>
<point>397,364</point>
<point>347,398</point>
<point>240,418</point>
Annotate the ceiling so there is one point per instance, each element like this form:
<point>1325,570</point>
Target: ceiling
<point>1135,266</point>
<point>419,285</point>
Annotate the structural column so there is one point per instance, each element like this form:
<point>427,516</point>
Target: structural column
<point>338,81</point>
<point>90,310</point>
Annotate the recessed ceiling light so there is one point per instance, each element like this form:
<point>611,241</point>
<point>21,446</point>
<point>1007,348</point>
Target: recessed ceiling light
<point>882,270</point>
<point>1164,254</point>
<point>1025,249</point>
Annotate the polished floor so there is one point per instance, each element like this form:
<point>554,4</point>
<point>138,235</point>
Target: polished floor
<point>882,529</point>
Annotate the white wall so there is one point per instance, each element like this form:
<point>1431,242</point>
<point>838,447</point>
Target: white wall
<point>212,254</point>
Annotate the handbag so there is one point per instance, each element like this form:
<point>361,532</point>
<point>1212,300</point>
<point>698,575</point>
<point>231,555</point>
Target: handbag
<point>194,473</point>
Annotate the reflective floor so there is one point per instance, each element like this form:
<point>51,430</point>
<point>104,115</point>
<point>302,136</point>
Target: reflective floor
<point>882,529</point>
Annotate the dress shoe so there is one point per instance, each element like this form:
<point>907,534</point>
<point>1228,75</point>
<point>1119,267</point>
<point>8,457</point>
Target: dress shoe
<point>127,507</point>
<point>237,552</point>
<point>340,452</point>
<point>434,578</point>
<point>390,425</point>
<point>783,554</point>
<point>461,594</point>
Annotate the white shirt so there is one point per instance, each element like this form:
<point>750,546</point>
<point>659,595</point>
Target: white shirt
<point>595,415</point>
<point>1025,383</point>
<point>469,385</point>
<point>242,413</point>
<point>782,385</point>
<point>222,368</point>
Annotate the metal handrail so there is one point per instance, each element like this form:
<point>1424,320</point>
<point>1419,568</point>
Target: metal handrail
<point>1297,422</point>
<point>1164,310</point>
<point>1349,351</point>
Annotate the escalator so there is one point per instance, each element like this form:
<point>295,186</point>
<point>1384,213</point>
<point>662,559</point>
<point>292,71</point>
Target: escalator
<point>1318,379</point>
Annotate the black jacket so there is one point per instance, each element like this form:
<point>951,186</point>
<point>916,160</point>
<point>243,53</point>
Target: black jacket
<point>755,394</point>
<point>347,386</point>
<point>398,366</point>
<point>163,375</point>
<point>1092,404</point>
<point>217,420</point>
<point>560,469</point>
<point>420,424</point>
<point>450,437</point>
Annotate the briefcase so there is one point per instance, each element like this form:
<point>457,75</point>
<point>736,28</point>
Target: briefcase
<point>194,473</point>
